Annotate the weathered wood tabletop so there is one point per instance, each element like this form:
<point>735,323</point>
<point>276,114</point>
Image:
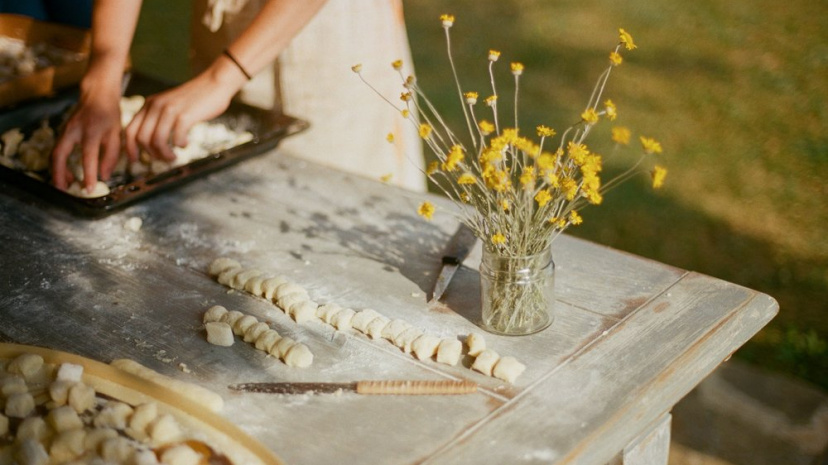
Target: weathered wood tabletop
<point>631,336</point>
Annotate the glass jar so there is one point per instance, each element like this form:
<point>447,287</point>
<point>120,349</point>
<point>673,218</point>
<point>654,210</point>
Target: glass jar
<point>517,293</point>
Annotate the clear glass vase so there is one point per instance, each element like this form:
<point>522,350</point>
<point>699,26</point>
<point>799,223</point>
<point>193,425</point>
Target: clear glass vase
<point>517,292</point>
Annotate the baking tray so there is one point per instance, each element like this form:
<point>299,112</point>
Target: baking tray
<point>267,127</point>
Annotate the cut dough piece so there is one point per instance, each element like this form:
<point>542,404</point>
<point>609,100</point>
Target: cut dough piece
<point>254,284</point>
<point>221,264</point>
<point>227,276</point>
<point>33,428</point>
<point>231,317</point>
<point>214,314</point>
<point>114,415</point>
<point>327,311</point>
<point>425,346</point>
<point>95,436</point>
<point>361,319</point>
<point>219,334</point>
<point>145,457</point>
<point>13,385</point>
<point>375,328</point>
<point>255,331</point>
<point>180,455</point>
<point>269,286</point>
<point>81,397</point>
<point>26,365</point>
<point>117,450</point>
<point>76,190</point>
<point>20,405</point>
<point>267,339</point>
<point>196,393</point>
<point>59,392</point>
<point>394,329</point>
<point>32,452</point>
<point>70,372</point>
<point>244,324</point>
<point>241,279</point>
<point>299,356</point>
<point>303,311</point>
<point>67,445</point>
<point>485,362</point>
<point>406,338</point>
<point>508,369</point>
<point>285,289</point>
<point>342,319</point>
<point>143,415</point>
<point>476,344</point>
<point>449,351</point>
<point>292,299</point>
<point>281,348</point>
<point>64,418</point>
<point>164,429</point>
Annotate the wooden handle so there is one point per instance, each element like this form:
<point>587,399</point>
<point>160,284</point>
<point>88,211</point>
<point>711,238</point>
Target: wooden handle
<point>416,387</point>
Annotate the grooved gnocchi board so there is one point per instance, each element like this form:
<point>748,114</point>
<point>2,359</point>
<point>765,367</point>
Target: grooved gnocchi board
<point>219,433</point>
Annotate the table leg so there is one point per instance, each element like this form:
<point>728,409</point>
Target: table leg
<point>650,448</point>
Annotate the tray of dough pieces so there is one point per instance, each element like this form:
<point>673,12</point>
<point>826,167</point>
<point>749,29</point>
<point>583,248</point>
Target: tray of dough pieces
<point>28,132</point>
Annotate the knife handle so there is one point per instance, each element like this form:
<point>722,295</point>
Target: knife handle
<point>416,387</point>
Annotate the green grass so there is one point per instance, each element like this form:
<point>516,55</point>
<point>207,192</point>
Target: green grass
<point>735,91</point>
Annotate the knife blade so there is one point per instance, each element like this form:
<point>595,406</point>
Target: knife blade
<point>458,248</point>
<point>395,387</point>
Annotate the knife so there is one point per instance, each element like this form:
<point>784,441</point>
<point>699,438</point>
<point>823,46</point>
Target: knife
<point>458,248</point>
<point>396,387</point>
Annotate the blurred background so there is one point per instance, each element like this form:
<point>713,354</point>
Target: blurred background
<point>737,94</point>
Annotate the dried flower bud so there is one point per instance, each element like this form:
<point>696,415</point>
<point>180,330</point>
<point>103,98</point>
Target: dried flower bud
<point>448,20</point>
<point>471,97</point>
<point>493,55</point>
<point>357,68</point>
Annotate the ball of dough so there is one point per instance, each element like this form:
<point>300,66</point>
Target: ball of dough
<point>269,286</point>
<point>375,328</point>
<point>281,348</point>
<point>64,418</point>
<point>143,415</point>
<point>406,338</point>
<point>508,369</point>
<point>221,264</point>
<point>26,365</point>
<point>164,429</point>
<point>299,356</point>
<point>285,289</point>
<point>485,362</point>
<point>449,351</point>
<point>241,279</point>
<point>425,346</point>
<point>255,331</point>
<point>303,311</point>
<point>32,452</point>
<point>394,329</point>
<point>14,384</point>
<point>81,397</point>
<point>95,436</point>
<point>227,276</point>
<point>254,284</point>
<point>76,190</point>
<point>214,314</point>
<point>327,311</point>
<point>243,324</point>
<point>231,317</point>
<point>342,319</point>
<point>20,405</point>
<point>33,428</point>
<point>133,224</point>
<point>59,391</point>
<point>220,334</point>
<point>361,319</point>
<point>476,344</point>
<point>70,372</point>
<point>67,445</point>
<point>292,299</point>
<point>180,455</point>
<point>114,415</point>
<point>267,340</point>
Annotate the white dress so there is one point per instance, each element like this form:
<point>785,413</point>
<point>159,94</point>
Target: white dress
<point>313,80</point>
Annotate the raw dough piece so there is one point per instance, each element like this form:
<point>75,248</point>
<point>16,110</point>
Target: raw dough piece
<point>219,334</point>
<point>145,457</point>
<point>27,365</point>
<point>231,317</point>
<point>299,356</point>
<point>114,415</point>
<point>244,324</point>
<point>241,279</point>
<point>164,429</point>
<point>342,319</point>
<point>64,418</point>
<point>476,344</point>
<point>20,405</point>
<point>13,385</point>
<point>406,338</point>
<point>269,286</point>
<point>361,319</point>
<point>221,264</point>
<point>291,299</point>
<point>303,311</point>
<point>508,369</point>
<point>75,189</point>
<point>81,397</point>
<point>486,361</point>
<point>267,339</point>
<point>227,276</point>
<point>394,329</point>
<point>59,392</point>
<point>327,311</point>
<point>254,284</point>
<point>285,289</point>
<point>32,452</point>
<point>133,224</point>
<point>255,331</point>
<point>195,393</point>
<point>69,372</point>
<point>281,348</point>
<point>449,351</point>
<point>425,346</point>
<point>94,437</point>
<point>67,445</point>
<point>375,328</point>
<point>214,314</point>
<point>33,428</point>
<point>117,450</point>
<point>143,415</point>
<point>180,455</point>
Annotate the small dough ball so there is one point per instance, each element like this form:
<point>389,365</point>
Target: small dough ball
<point>394,329</point>
<point>449,351</point>
<point>33,428</point>
<point>303,311</point>
<point>143,415</point>
<point>100,190</point>
<point>117,450</point>
<point>361,319</point>
<point>63,419</point>
<point>26,365</point>
<point>145,457</point>
<point>13,385</point>
<point>227,276</point>
<point>508,369</point>
<point>67,445</point>
<point>164,429</point>
<point>485,362</point>
<point>219,334</point>
<point>288,288</point>
<point>266,340</point>
<point>59,391</point>
<point>20,405</point>
<point>4,425</point>
<point>95,436</point>
<point>375,328</point>
<point>214,314</point>
<point>133,224</point>
<point>241,279</point>
<point>476,344</point>
<point>180,455</point>
<point>269,286</point>
<point>292,299</point>
<point>70,372</point>
<point>327,311</point>
<point>81,397</point>
<point>254,284</point>
<point>221,264</point>
<point>281,348</point>
<point>406,338</point>
<point>255,331</point>
<point>425,346</point>
<point>32,452</point>
<point>243,324</point>
<point>114,415</point>
<point>299,356</point>
<point>342,319</point>
<point>231,317</point>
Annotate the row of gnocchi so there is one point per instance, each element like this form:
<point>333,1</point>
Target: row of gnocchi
<point>295,301</point>
<point>50,416</point>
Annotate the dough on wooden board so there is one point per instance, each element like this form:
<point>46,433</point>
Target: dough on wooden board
<point>508,369</point>
<point>198,394</point>
<point>394,329</point>
<point>221,264</point>
<point>214,314</point>
<point>288,288</point>
<point>291,299</point>
<point>299,355</point>
<point>227,276</point>
<point>485,362</point>
<point>254,284</point>
<point>475,343</point>
<point>327,311</point>
<point>220,334</point>
<point>449,351</point>
<point>281,348</point>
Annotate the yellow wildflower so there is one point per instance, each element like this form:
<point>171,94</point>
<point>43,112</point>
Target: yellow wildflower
<point>465,197</point>
<point>486,127</point>
<point>650,145</point>
<point>386,177</point>
<point>658,174</point>
<point>453,158</point>
<point>553,179</point>
<point>471,97</point>
<point>493,55</point>
<point>490,155</point>
<point>517,68</point>
<point>504,204</point>
<point>405,96</point>
<point>390,137</point>
<point>447,20</point>
<point>498,239</point>
<point>590,116</point>
<point>426,210</point>
<point>425,130</point>
<point>615,58</point>
<point>559,223</point>
<point>594,197</point>
<point>621,135</point>
<point>432,168</point>
<point>510,135</point>
<point>527,178</point>
<point>466,178</point>
<point>546,161</point>
<point>577,152</point>
<point>570,188</point>
<point>626,39</point>
<point>397,64</point>
<point>611,110</point>
<point>491,100</point>
<point>357,68</point>
<point>496,180</point>
<point>575,218</point>
<point>543,197</point>
<point>405,113</point>
<point>527,146</point>
<point>545,131</point>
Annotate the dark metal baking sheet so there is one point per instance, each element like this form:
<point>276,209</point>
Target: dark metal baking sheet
<point>267,127</point>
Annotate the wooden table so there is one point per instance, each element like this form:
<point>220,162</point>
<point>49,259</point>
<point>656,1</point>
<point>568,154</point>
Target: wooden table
<point>631,336</point>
